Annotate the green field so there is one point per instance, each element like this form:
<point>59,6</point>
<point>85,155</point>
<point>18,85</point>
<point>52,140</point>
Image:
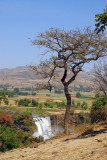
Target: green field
<point>55,101</point>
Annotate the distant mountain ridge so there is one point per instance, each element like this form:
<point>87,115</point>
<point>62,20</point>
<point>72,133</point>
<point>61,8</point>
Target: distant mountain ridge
<point>22,77</point>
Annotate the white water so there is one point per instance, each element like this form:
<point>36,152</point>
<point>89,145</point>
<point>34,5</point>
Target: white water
<point>44,127</point>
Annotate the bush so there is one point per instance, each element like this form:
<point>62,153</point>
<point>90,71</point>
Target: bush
<point>78,104</point>
<point>39,139</point>
<point>25,122</point>
<point>15,131</point>
<point>84,105</point>
<point>97,95</point>
<point>99,109</point>
<point>48,95</point>
<point>78,95</point>
<point>24,102</point>
<point>6,101</point>
<point>8,139</point>
<point>34,103</point>
<point>33,93</point>
<point>73,103</point>
<point>5,119</point>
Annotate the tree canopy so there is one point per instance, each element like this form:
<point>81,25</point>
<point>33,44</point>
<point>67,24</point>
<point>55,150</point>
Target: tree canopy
<point>67,52</point>
<point>101,20</point>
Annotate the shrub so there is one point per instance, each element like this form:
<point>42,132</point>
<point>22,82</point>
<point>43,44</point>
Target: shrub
<point>8,139</point>
<point>78,104</point>
<point>78,95</point>
<point>17,134</point>
<point>39,139</point>
<point>63,104</point>
<point>73,103</point>
<point>97,95</point>
<point>99,109</point>
<point>84,105</point>
<point>25,122</point>
<point>6,101</point>
<point>48,95</point>
<point>34,103</point>
<point>24,102</point>
<point>5,119</point>
<point>33,93</point>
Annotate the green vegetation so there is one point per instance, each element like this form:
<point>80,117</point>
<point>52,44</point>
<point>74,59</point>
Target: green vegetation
<point>15,129</point>
<point>78,95</point>
<point>14,93</point>
<point>101,20</point>
<point>6,101</point>
<point>99,109</point>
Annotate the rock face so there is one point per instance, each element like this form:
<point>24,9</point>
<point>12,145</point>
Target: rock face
<point>57,119</point>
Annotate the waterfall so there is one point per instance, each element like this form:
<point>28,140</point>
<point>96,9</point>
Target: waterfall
<point>44,127</point>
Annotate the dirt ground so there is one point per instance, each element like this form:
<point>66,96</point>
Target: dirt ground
<point>91,147</point>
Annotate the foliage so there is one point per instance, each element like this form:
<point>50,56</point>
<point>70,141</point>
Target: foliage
<point>80,89</point>
<point>99,109</point>
<point>5,119</point>
<point>97,95</point>
<point>68,52</point>
<point>82,118</point>
<point>8,138</point>
<point>101,20</point>
<point>39,139</point>
<point>24,102</point>
<point>34,103</point>
<point>48,95</point>
<point>78,104</point>
<point>58,91</point>
<point>15,130</point>
<point>6,101</point>
<point>33,93</point>
<point>73,103</point>
<point>78,95</point>
<point>84,105</point>
<point>16,90</point>
<point>3,94</point>
<point>24,121</point>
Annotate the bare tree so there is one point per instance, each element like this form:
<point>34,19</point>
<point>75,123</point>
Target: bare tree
<point>68,51</point>
<point>100,77</point>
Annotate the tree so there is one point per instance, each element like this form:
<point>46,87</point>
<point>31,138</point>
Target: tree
<point>100,77</point>
<point>68,52</point>
<point>101,20</point>
<point>16,90</point>
<point>6,101</point>
<point>78,95</point>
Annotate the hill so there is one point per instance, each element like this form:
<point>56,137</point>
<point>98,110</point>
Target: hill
<point>67,148</point>
<point>23,77</point>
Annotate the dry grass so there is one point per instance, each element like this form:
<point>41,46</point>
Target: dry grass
<point>64,148</point>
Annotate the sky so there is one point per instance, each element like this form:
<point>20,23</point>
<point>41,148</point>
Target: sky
<point>22,20</point>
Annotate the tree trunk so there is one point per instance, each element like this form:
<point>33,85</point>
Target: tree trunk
<point>67,113</point>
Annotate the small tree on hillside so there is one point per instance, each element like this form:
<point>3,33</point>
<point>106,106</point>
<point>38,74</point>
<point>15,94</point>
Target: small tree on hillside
<point>100,77</point>
<point>68,52</point>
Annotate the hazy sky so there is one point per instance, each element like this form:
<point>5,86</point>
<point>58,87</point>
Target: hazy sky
<point>24,19</point>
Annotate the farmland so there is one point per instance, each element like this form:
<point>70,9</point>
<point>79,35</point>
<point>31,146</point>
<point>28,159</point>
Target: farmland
<point>50,102</point>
